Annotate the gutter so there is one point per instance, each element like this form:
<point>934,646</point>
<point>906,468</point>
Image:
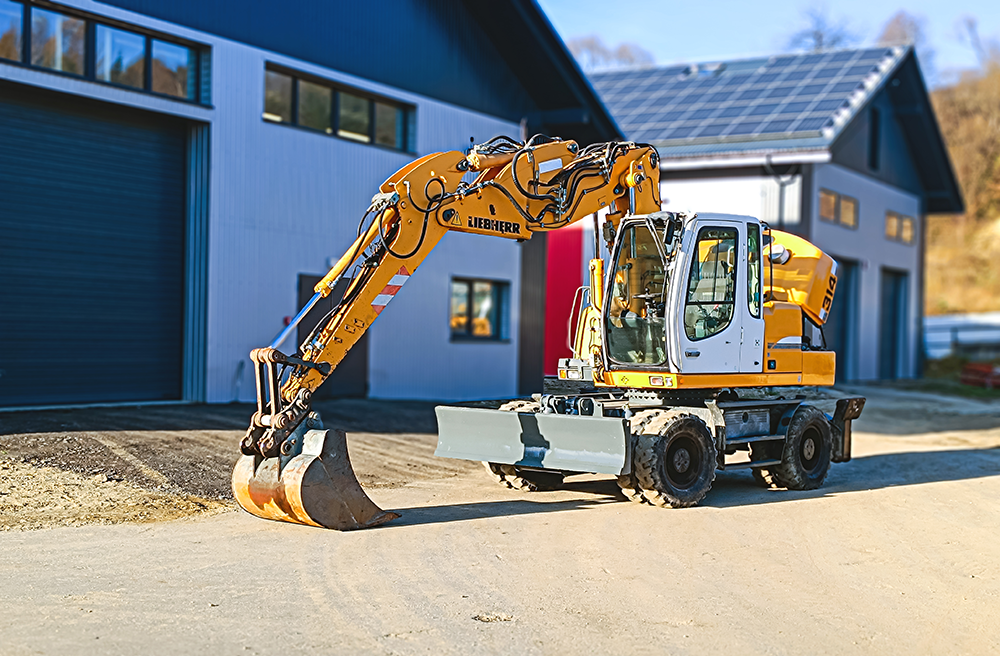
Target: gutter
<point>764,159</point>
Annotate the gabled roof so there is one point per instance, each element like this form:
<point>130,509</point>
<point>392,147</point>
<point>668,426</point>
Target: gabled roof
<point>501,57</point>
<point>786,107</point>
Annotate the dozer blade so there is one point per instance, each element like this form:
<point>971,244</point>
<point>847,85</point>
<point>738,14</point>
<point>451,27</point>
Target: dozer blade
<point>314,484</point>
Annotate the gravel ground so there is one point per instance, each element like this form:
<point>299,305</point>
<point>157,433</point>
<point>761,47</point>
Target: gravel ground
<point>897,553</point>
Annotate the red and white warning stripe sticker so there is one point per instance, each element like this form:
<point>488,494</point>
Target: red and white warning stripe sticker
<point>390,290</point>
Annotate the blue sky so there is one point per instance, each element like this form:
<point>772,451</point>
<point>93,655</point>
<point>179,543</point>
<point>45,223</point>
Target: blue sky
<point>677,31</point>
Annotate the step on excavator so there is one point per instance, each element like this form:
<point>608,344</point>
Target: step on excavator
<point>675,349</point>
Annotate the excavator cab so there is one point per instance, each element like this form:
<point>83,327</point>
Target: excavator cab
<point>684,295</point>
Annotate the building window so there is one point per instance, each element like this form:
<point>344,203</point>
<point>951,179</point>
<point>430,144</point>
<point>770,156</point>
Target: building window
<point>85,46</point>
<point>11,25</point>
<point>874,138</point>
<point>899,227</point>
<point>838,208</point>
<point>478,309</point>
<point>315,106</point>
<point>175,70</point>
<point>308,102</point>
<point>827,205</point>
<point>121,57</point>
<point>278,96</point>
<point>58,41</point>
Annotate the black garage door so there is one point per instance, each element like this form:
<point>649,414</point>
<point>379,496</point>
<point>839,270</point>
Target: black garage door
<point>92,200</point>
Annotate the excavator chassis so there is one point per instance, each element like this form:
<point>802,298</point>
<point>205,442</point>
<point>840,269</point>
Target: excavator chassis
<point>313,483</point>
<point>605,433</point>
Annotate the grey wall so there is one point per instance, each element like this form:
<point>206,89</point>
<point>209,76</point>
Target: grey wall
<point>896,168</point>
<point>868,245</point>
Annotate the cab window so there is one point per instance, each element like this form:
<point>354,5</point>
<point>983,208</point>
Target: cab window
<point>711,286</point>
<point>636,328</point>
<point>753,269</point>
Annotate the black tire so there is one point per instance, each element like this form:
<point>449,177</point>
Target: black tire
<point>629,483</point>
<point>805,458</point>
<point>519,478</point>
<point>676,465</point>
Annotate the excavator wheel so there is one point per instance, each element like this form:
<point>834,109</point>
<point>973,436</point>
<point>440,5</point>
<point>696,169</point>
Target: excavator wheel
<point>805,459</point>
<point>675,460</point>
<point>519,478</point>
<point>629,483</point>
<point>311,483</point>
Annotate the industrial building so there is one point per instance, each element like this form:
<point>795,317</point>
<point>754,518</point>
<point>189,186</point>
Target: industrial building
<point>840,147</point>
<point>174,177</point>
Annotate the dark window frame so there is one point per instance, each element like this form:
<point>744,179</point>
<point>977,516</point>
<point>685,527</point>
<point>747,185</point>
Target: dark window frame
<point>501,295</point>
<point>901,219</point>
<point>199,50</point>
<point>837,216</point>
<point>408,110</point>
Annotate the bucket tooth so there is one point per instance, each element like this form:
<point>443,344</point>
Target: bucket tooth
<point>313,484</point>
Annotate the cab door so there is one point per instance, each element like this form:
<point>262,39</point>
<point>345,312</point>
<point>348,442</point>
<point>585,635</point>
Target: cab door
<point>711,320</point>
<point>752,352</point>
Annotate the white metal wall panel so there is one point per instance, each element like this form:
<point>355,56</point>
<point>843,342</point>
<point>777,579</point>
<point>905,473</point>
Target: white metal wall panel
<point>753,196</point>
<point>285,200</point>
<point>868,245</point>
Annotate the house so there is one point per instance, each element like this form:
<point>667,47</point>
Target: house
<point>175,176</point>
<point>840,147</point>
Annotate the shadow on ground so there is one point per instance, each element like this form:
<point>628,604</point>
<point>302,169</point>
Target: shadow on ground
<point>737,488</point>
<point>361,415</point>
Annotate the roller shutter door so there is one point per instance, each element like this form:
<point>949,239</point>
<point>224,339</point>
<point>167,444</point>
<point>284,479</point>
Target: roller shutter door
<point>92,216</point>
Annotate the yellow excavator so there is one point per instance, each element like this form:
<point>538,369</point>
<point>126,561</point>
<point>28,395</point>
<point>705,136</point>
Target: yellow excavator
<point>675,346</point>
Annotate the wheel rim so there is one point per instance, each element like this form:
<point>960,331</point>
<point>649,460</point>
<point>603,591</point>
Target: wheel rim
<point>683,462</point>
<point>809,449</point>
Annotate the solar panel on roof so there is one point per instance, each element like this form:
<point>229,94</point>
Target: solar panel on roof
<point>828,105</point>
<point>795,107</point>
<point>842,56</point>
<point>779,92</point>
<point>747,127</point>
<point>762,110</point>
<point>843,87</point>
<point>814,123</point>
<point>859,70</point>
<point>810,89</point>
<point>730,112</point>
<point>780,125</point>
<point>706,102</point>
<point>713,130</point>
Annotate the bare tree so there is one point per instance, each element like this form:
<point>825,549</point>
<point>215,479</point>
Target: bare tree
<point>906,29</point>
<point>987,52</point>
<point>592,53</point>
<point>821,32</point>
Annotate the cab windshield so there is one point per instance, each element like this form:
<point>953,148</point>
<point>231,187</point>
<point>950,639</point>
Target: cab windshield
<point>636,328</point>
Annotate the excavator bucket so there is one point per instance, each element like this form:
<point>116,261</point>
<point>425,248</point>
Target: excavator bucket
<point>314,484</point>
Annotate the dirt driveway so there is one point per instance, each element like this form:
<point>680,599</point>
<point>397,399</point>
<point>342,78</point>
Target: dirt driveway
<point>898,553</point>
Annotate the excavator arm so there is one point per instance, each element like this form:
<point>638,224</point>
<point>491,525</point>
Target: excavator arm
<point>518,189</point>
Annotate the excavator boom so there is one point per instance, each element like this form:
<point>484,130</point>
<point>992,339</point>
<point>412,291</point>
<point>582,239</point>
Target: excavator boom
<point>521,189</point>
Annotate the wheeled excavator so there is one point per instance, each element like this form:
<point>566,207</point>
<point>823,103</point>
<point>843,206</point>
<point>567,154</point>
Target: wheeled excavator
<point>687,322</point>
